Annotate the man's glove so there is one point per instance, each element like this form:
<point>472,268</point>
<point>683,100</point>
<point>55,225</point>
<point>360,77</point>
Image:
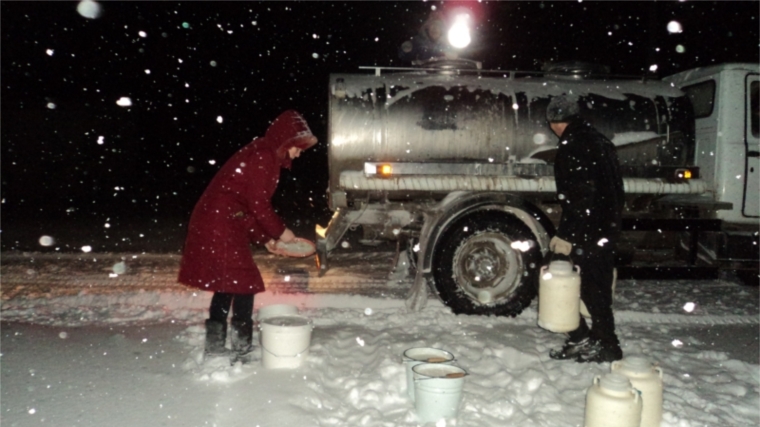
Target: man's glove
<point>559,246</point>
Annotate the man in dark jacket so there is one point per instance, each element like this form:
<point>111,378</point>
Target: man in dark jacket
<point>234,212</point>
<point>590,191</point>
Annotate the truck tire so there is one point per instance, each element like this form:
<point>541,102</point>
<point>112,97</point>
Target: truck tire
<point>487,264</point>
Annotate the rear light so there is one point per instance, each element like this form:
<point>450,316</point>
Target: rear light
<point>684,174</point>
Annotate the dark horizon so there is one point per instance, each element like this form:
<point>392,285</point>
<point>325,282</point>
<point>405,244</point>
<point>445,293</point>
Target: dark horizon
<point>205,78</point>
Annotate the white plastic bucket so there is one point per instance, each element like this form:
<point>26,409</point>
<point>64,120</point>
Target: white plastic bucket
<point>437,390</point>
<point>275,310</point>
<point>285,341</point>
<point>415,356</point>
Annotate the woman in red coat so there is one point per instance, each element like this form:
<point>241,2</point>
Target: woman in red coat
<point>235,211</point>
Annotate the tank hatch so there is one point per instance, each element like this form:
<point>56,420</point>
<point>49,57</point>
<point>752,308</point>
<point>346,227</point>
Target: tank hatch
<point>576,70</point>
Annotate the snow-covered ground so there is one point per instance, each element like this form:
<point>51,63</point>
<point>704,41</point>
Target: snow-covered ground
<point>125,356</point>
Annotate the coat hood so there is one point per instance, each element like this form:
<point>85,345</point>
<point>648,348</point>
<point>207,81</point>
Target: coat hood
<point>288,130</point>
<point>437,21</point>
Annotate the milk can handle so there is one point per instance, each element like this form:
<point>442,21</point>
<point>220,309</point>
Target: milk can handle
<point>658,370</point>
<point>636,394</point>
<point>578,267</point>
<point>596,380</point>
<point>614,365</point>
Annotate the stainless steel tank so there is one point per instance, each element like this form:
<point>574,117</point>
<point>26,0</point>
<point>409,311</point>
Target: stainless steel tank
<point>424,117</point>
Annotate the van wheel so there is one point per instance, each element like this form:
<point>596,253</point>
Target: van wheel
<point>487,264</point>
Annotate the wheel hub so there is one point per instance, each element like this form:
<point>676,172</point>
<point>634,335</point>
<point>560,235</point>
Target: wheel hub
<point>486,267</point>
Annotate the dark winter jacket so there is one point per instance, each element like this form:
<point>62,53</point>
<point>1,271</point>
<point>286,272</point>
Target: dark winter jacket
<point>589,186</point>
<point>235,210</point>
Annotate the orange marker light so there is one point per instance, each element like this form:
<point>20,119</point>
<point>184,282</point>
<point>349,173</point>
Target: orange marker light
<point>385,170</point>
<point>683,174</point>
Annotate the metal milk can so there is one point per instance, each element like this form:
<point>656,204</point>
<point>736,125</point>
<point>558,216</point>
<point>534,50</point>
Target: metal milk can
<point>647,378</point>
<point>611,401</point>
<point>559,297</point>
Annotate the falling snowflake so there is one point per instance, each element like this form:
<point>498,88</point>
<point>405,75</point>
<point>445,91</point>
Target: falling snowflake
<point>89,9</point>
<point>675,27</point>
<point>47,241</point>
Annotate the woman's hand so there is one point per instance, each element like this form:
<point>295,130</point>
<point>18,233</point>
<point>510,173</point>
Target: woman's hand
<point>287,236</point>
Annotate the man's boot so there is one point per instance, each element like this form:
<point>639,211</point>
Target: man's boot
<point>242,340</point>
<point>571,349</point>
<point>599,351</point>
<point>216,336</point>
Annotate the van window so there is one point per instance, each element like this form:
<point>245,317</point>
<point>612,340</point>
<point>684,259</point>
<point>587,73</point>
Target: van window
<point>702,96</point>
<point>754,101</point>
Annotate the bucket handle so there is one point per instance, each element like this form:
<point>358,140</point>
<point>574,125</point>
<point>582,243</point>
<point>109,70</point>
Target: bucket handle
<point>452,375</point>
<point>283,355</point>
<point>428,360</point>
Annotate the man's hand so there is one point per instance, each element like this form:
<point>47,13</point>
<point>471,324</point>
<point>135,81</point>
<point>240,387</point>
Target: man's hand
<point>559,246</point>
<point>287,236</point>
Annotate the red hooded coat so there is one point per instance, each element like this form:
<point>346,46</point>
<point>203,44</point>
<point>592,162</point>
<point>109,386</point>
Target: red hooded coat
<point>235,210</point>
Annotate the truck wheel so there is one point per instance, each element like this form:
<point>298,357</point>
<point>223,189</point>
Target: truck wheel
<point>487,264</point>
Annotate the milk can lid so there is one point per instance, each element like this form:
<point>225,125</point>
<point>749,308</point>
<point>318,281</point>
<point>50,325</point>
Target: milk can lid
<point>561,266</point>
<point>638,364</point>
<point>615,382</point>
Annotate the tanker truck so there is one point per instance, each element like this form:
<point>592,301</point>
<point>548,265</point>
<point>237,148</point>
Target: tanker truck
<point>455,164</point>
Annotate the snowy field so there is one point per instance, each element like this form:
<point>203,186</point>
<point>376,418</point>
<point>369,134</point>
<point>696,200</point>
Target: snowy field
<point>126,355</point>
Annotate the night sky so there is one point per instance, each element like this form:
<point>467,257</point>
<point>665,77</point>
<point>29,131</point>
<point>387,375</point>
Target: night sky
<point>205,78</point>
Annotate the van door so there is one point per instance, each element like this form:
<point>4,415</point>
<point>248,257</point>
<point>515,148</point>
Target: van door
<point>751,205</point>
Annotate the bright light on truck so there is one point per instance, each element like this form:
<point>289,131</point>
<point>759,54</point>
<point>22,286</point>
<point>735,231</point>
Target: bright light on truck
<point>459,33</point>
<point>385,170</point>
<point>683,174</point>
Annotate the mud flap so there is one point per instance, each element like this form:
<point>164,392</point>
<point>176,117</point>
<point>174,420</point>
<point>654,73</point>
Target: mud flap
<point>418,293</point>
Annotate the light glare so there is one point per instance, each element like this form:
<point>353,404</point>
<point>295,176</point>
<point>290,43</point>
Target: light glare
<point>459,33</point>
